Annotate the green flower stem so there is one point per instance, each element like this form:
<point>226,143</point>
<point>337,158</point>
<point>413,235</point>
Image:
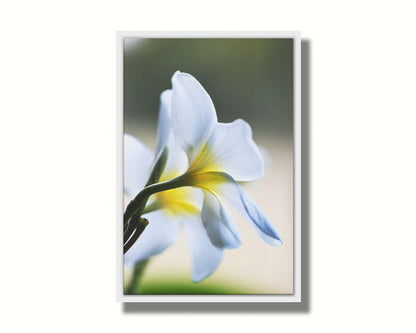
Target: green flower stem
<point>137,205</point>
<point>134,285</point>
<point>157,171</point>
<point>140,225</point>
<point>129,229</point>
<point>134,225</point>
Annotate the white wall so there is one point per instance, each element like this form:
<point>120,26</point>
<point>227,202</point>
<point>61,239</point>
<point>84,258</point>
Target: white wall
<point>57,178</point>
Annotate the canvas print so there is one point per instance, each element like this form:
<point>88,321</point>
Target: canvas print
<point>208,166</point>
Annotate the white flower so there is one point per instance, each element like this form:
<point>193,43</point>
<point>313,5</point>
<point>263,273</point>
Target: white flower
<point>206,159</point>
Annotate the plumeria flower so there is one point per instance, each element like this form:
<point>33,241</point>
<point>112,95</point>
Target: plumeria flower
<point>168,210</point>
<point>205,162</point>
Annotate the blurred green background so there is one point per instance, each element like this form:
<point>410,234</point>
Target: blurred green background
<point>246,78</point>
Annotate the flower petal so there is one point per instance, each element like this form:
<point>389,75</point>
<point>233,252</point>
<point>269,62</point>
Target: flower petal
<point>231,149</point>
<point>224,185</point>
<point>220,226</point>
<point>193,113</point>
<point>160,233</point>
<point>260,222</point>
<point>205,257</point>
<point>177,162</point>
<point>164,122</point>
<point>137,162</point>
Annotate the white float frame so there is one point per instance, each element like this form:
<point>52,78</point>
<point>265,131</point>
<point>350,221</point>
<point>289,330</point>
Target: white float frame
<point>296,296</point>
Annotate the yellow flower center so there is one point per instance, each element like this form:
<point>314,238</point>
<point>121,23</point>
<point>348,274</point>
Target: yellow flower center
<point>181,201</point>
<point>205,161</point>
<point>176,202</point>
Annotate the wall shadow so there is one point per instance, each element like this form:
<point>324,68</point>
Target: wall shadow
<point>304,306</point>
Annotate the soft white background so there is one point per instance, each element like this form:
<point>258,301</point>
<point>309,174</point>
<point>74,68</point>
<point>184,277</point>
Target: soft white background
<point>57,178</point>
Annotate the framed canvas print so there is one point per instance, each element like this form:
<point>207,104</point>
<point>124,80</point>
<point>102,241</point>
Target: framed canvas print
<point>208,183</point>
